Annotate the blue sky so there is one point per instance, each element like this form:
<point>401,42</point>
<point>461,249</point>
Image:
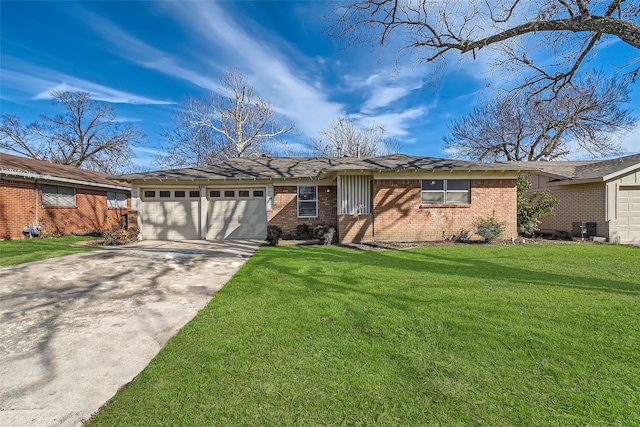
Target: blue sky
<point>145,57</point>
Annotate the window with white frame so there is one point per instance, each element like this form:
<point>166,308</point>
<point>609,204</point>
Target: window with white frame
<point>116,200</point>
<point>445,191</point>
<point>57,195</point>
<point>307,201</point>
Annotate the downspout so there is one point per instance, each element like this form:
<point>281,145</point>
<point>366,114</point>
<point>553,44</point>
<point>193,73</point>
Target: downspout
<point>35,222</point>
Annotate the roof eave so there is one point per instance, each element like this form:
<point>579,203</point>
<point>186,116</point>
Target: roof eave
<point>25,174</point>
<point>621,172</point>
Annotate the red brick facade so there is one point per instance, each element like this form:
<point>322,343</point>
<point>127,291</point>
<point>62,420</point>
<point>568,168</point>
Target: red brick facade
<point>285,208</point>
<point>18,209</point>
<point>398,214</point>
<point>355,228</point>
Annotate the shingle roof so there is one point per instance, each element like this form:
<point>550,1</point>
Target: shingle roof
<point>22,166</point>
<point>607,167</point>
<point>311,167</point>
<point>585,169</point>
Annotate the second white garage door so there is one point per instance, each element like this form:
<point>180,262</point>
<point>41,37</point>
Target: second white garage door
<point>236,214</point>
<point>629,214</point>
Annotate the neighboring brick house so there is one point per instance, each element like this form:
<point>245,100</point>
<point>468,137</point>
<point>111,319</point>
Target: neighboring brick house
<point>598,197</point>
<point>388,198</point>
<point>56,198</point>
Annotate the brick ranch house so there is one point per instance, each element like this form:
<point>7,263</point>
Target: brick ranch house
<point>389,198</point>
<point>61,199</point>
<point>602,194</point>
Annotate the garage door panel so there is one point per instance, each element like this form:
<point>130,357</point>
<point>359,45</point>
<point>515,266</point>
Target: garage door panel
<point>236,217</point>
<point>628,222</point>
<point>170,219</point>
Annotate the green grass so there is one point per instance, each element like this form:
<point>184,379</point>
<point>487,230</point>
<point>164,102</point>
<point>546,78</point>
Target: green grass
<point>14,252</point>
<point>436,336</point>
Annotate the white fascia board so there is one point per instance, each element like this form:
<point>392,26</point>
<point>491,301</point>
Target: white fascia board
<point>292,182</point>
<point>24,174</point>
<point>173,183</point>
<point>446,174</point>
<point>622,172</point>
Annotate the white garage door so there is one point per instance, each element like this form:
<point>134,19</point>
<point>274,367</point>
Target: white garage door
<point>629,214</point>
<point>170,214</point>
<point>236,213</point>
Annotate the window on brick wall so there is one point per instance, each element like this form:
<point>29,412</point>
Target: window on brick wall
<point>445,191</point>
<point>116,200</point>
<point>57,195</point>
<point>307,201</point>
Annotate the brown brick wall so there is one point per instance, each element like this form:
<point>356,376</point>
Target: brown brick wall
<point>578,203</point>
<point>18,209</point>
<point>399,216</point>
<point>355,228</point>
<point>285,208</point>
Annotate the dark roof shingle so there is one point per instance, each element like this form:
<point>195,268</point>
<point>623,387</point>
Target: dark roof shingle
<point>15,165</point>
<point>310,167</point>
<point>583,169</point>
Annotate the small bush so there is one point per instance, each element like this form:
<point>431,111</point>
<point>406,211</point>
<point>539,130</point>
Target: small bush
<point>304,232</point>
<point>461,236</point>
<point>274,234</point>
<point>119,236</point>
<point>326,234</point>
<point>489,228</point>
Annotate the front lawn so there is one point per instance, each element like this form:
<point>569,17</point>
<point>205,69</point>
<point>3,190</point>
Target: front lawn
<point>436,336</point>
<point>14,252</point>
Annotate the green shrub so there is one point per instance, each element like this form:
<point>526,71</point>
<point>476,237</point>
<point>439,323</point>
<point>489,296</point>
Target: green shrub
<point>274,234</point>
<point>304,232</point>
<point>489,228</point>
<point>531,208</point>
<point>325,233</point>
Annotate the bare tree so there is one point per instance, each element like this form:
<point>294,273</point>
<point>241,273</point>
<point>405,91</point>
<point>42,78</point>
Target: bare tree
<point>585,117</point>
<point>189,143</point>
<point>88,135</point>
<point>569,30</point>
<point>235,123</point>
<point>345,138</point>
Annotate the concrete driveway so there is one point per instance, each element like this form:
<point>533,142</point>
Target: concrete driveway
<point>74,329</point>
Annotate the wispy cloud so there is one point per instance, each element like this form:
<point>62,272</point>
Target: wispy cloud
<point>262,58</point>
<point>395,124</point>
<point>38,82</point>
<point>221,36</point>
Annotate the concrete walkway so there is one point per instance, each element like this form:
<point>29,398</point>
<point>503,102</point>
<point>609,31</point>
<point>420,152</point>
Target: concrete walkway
<point>74,329</point>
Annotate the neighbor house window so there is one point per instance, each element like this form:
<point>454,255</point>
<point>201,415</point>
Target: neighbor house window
<point>194,193</point>
<point>179,193</point>
<point>149,193</point>
<point>307,201</point>
<point>258,193</point>
<point>229,193</point>
<point>214,193</point>
<point>116,200</point>
<point>243,193</point>
<point>56,195</point>
<point>441,191</point>
<point>165,193</point>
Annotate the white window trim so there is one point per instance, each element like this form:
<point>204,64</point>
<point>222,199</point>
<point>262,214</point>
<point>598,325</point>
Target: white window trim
<point>116,200</point>
<point>444,191</point>
<point>314,200</point>
<point>57,203</point>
